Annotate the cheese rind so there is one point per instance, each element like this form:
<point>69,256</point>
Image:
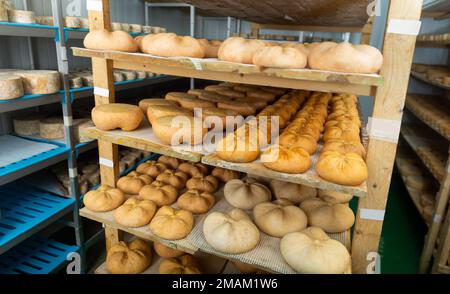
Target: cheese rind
<point>10,87</point>
<point>21,16</point>
<point>39,81</point>
<point>51,128</point>
<point>27,125</point>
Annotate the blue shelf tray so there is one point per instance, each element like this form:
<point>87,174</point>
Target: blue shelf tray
<point>21,164</point>
<point>36,255</point>
<point>28,97</point>
<point>23,209</point>
<point>27,25</point>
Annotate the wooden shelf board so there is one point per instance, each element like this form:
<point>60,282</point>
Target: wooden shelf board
<point>143,139</point>
<point>309,178</point>
<point>107,218</point>
<point>212,69</point>
<point>416,141</point>
<point>329,13</point>
<point>422,118</point>
<point>421,77</point>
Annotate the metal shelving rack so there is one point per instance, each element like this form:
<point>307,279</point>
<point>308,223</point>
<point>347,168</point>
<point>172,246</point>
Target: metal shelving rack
<point>437,240</point>
<point>389,89</point>
<point>64,150</point>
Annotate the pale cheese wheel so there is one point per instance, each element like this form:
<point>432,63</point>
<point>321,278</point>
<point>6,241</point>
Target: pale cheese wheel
<point>75,82</point>
<point>84,22</point>
<point>10,87</point>
<point>51,128</point>
<point>125,27</point>
<point>27,125</point>
<point>3,14</point>
<point>72,22</point>
<point>44,20</point>
<point>136,28</point>
<point>115,26</point>
<point>147,29</point>
<point>39,81</point>
<point>21,16</point>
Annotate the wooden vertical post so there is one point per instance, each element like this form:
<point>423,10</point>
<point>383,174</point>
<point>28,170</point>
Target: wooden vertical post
<point>254,30</point>
<point>435,226</point>
<point>102,71</point>
<point>398,52</point>
<point>366,32</point>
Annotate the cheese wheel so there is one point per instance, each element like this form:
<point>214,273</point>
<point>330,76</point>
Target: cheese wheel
<point>165,251</point>
<point>132,258</point>
<point>21,16</point>
<point>51,128</point>
<point>145,103</point>
<point>75,82</point>
<point>27,125</point>
<point>44,20</point>
<point>84,22</point>
<point>125,27</point>
<point>172,224</point>
<point>155,112</point>
<point>147,29</point>
<point>136,28</point>
<point>115,26</point>
<point>117,115</point>
<point>280,57</point>
<point>3,14</point>
<point>175,130</point>
<point>236,49</point>
<point>105,40</point>
<point>72,22</point>
<point>170,45</point>
<point>39,81</point>
<point>10,87</point>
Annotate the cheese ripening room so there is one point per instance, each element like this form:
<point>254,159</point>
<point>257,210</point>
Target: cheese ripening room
<point>224,137</point>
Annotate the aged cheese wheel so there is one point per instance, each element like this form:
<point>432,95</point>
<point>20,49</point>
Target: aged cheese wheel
<point>232,232</point>
<point>105,40</point>
<point>332,218</point>
<point>176,130</point>
<point>145,103</point>
<point>45,20</point>
<point>116,26</point>
<point>170,162</point>
<point>219,118</point>
<point>176,179</point>
<point>133,183</point>
<point>246,194</point>
<point>135,212</point>
<point>84,22</point>
<point>160,193</point>
<point>165,251</point>
<point>157,111</point>
<point>240,146</point>
<point>182,265</point>
<point>295,193</point>
<point>51,128</point>
<point>245,268</point>
<point>280,57</point>
<point>103,199</point>
<point>80,125</point>
<point>243,108</point>
<point>10,86</point>
<point>236,49</point>
<point>117,115</point>
<point>39,81</point>
<point>170,45</point>
<point>3,14</point>
<point>132,258</point>
<point>136,28</point>
<point>193,169</point>
<point>345,57</point>
<point>126,27</point>
<point>279,218</point>
<point>334,196</point>
<point>203,183</point>
<point>419,183</point>
<point>75,82</point>
<point>313,252</point>
<point>211,47</point>
<point>21,16</point>
<point>151,168</point>
<point>196,201</point>
<point>72,22</point>
<point>27,125</point>
<point>172,224</point>
<point>147,29</point>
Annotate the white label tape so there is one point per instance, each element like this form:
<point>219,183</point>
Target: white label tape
<point>73,172</point>
<point>94,5</point>
<point>372,214</point>
<point>101,91</point>
<point>404,27</point>
<point>437,219</point>
<point>448,169</point>
<point>384,129</point>
<point>106,162</point>
<point>68,121</point>
<point>196,63</point>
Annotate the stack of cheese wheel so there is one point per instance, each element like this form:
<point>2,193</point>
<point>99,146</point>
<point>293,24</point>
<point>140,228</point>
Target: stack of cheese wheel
<point>342,158</point>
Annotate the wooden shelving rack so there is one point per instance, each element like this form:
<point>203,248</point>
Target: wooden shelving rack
<point>389,89</point>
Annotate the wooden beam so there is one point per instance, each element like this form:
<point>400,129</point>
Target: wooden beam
<point>389,103</point>
<point>102,71</point>
<point>304,28</point>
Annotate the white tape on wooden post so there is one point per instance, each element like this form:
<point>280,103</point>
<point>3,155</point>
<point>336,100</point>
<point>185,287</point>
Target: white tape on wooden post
<point>384,129</point>
<point>68,120</point>
<point>404,27</point>
<point>94,5</point>
<point>372,214</point>
<point>73,172</point>
<point>196,63</point>
<point>101,91</point>
<point>437,219</point>
<point>106,162</point>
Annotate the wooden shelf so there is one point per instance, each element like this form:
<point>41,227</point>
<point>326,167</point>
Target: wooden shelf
<point>421,106</point>
<point>212,69</point>
<point>143,139</point>
<point>417,141</point>
<point>309,178</point>
<point>423,78</point>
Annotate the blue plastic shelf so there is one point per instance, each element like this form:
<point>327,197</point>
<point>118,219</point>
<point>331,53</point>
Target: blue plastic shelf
<point>25,210</point>
<point>36,255</point>
<point>27,25</point>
